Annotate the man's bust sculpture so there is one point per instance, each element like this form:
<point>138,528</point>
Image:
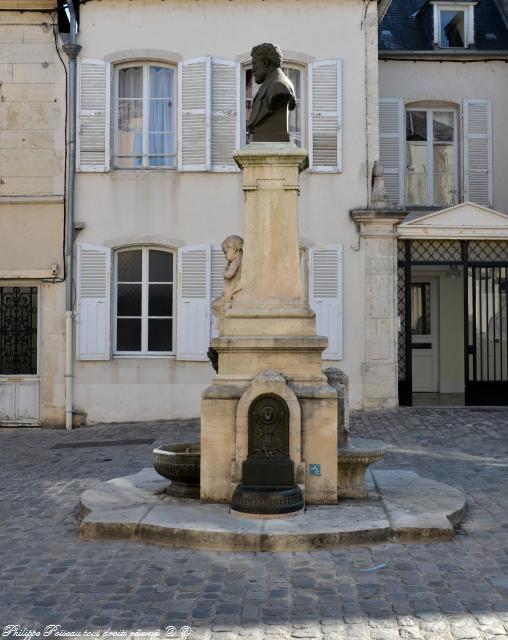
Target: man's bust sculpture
<point>268,120</point>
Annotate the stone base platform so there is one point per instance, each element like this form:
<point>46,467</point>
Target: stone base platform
<point>402,507</point>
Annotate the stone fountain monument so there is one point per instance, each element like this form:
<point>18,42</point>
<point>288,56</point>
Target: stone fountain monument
<point>270,412</point>
<point>274,426</point>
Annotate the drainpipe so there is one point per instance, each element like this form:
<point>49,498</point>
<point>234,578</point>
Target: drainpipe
<point>72,49</point>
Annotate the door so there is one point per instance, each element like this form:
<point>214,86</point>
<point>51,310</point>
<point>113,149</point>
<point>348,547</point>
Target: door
<point>19,380</point>
<point>424,334</point>
<point>487,336</point>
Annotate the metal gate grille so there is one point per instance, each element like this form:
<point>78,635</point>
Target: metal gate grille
<point>487,328</point>
<point>401,303</point>
<point>435,251</point>
<point>18,330</point>
<point>487,251</point>
<point>484,268</point>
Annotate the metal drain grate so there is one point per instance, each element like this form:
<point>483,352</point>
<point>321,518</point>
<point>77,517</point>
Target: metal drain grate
<point>102,443</point>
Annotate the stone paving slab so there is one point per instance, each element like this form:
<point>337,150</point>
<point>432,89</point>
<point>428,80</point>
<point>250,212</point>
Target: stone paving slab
<point>135,507</point>
<point>432,591</point>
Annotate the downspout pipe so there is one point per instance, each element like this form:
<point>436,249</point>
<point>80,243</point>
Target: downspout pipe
<point>72,49</point>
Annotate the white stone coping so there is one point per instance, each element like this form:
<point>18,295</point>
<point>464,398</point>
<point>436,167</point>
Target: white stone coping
<point>408,508</point>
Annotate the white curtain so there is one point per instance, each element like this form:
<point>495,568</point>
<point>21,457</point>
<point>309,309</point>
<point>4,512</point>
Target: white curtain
<point>130,116</point>
<point>160,127</point>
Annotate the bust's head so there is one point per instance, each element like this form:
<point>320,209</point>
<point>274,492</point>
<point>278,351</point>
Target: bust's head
<point>265,58</point>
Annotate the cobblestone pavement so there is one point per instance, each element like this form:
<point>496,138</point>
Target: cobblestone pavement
<point>456,590</point>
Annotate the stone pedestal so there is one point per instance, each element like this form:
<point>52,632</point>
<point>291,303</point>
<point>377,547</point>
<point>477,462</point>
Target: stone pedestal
<point>271,299</point>
<point>378,232</point>
<point>267,340</point>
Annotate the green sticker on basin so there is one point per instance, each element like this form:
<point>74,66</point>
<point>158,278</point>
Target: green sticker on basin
<point>315,469</point>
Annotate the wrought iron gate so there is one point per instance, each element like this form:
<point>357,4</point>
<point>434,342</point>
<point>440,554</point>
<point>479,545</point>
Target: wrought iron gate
<point>484,268</point>
<point>19,382</point>
<point>486,323</point>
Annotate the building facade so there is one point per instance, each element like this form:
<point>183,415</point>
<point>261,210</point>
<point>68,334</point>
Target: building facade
<point>410,292</point>
<point>443,83</point>
<point>32,168</point>
<point>163,103</point>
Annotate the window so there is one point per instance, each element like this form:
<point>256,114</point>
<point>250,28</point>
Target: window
<point>295,122</point>
<point>144,281</point>
<point>145,117</point>
<point>420,309</point>
<point>453,26</point>
<point>431,157</point>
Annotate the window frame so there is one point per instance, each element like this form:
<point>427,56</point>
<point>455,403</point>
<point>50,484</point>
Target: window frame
<point>145,65</point>
<point>303,102</point>
<point>468,10</point>
<point>430,156</point>
<point>143,352</point>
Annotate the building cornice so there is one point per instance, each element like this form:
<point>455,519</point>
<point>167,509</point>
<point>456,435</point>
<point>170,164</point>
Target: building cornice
<point>49,199</point>
<point>390,216</point>
<point>441,56</point>
<point>28,5</point>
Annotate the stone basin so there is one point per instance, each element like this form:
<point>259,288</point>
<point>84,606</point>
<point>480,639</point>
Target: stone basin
<point>181,464</point>
<point>353,458</point>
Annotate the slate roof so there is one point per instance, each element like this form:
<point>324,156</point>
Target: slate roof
<point>402,30</point>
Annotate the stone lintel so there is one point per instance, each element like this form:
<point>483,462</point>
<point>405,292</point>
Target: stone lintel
<point>223,391</point>
<point>273,343</point>
<point>268,309</point>
<point>272,153</point>
<point>303,390</point>
<point>27,5</point>
<point>312,391</point>
<point>49,199</point>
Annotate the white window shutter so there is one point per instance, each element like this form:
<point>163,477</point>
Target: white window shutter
<point>391,147</point>
<point>225,108</point>
<point>93,116</point>
<point>193,336</point>
<point>194,114</point>
<point>477,118</point>
<point>325,116</point>
<point>325,296</point>
<point>93,318</point>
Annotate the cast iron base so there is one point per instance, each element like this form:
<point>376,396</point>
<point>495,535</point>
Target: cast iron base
<point>183,490</point>
<point>267,500</point>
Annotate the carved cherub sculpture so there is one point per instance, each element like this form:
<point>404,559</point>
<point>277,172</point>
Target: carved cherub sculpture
<point>232,246</point>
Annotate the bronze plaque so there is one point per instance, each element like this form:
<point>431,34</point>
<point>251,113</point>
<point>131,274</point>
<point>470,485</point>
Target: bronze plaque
<point>268,428</point>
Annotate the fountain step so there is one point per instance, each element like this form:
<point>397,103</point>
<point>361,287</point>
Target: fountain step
<point>408,509</point>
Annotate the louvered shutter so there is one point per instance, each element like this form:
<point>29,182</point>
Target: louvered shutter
<point>194,110</point>
<point>391,147</point>
<point>225,108</point>
<point>325,116</point>
<point>193,336</point>
<point>325,296</point>
<point>93,318</point>
<point>93,126</point>
<point>218,263</point>
<point>478,151</point>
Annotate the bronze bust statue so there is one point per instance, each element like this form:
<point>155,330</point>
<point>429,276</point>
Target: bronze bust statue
<point>268,120</point>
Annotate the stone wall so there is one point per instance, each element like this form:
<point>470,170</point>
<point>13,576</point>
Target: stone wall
<point>32,106</point>
<point>32,157</point>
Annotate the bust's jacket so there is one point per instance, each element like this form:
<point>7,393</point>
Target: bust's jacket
<point>275,84</point>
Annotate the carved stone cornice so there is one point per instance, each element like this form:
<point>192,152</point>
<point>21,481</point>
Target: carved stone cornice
<point>377,222</point>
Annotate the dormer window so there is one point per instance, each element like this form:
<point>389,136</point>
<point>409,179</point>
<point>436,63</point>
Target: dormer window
<point>453,25</point>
